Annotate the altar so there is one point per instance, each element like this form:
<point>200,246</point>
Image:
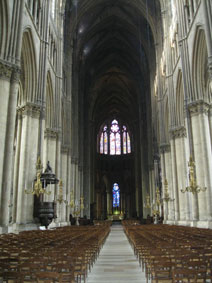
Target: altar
<point>116,217</point>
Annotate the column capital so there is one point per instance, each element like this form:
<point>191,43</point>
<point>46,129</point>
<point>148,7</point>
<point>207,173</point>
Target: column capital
<point>51,133</point>
<point>80,168</point>
<point>178,132</point>
<point>198,107</point>
<point>5,71</point>
<point>15,75</point>
<point>65,149</point>
<point>165,147</point>
<point>30,109</point>
<point>74,160</point>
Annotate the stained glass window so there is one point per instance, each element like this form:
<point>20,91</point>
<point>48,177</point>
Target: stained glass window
<point>105,141</point>
<point>116,195</point>
<point>128,144</point>
<point>114,139</point>
<point>101,144</point>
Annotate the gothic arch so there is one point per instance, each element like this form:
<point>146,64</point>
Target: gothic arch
<point>49,102</point>
<point>28,68</point>
<point>4,32</point>
<point>200,72</point>
<point>179,100</point>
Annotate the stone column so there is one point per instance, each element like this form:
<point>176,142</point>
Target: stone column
<point>8,101</point>
<point>27,165</point>
<point>202,153</point>
<point>65,179</point>
<point>163,149</point>
<point>152,184</point>
<point>174,178</point>
<point>50,154</point>
<point>98,204</point>
<point>16,166</point>
<point>108,203</point>
<point>168,162</point>
<point>8,161</point>
<point>5,75</point>
<point>182,171</point>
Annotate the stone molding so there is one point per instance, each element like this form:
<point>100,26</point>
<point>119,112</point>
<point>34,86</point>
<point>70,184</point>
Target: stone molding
<point>30,109</point>
<point>65,149</point>
<point>80,168</point>
<point>51,133</point>
<point>9,71</point>
<point>165,147</point>
<point>198,107</point>
<point>5,71</point>
<point>178,132</point>
<point>74,160</point>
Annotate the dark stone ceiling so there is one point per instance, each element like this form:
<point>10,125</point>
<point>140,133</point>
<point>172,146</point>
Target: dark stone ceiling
<point>114,50</point>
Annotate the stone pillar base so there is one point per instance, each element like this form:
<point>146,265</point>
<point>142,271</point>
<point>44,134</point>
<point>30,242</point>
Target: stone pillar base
<point>4,229</point>
<point>192,223</point>
<point>16,228</point>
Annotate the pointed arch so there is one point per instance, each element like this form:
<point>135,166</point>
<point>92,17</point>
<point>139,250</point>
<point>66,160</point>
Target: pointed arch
<point>200,70</point>
<point>28,68</point>
<point>180,100</point>
<point>49,101</point>
<point>4,31</point>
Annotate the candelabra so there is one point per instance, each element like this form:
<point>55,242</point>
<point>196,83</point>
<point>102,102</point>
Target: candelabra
<point>77,206</point>
<point>158,202</point>
<point>37,188</point>
<point>60,196</point>
<point>147,203</point>
<point>193,187</point>
<point>166,192</point>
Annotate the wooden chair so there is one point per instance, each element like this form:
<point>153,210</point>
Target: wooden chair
<point>48,277</point>
<point>183,275</point>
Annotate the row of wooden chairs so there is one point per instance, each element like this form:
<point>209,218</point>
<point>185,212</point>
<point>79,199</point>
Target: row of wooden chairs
<point>172,253</point>
<point>64,254</point>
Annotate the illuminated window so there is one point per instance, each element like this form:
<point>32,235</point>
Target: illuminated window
<point>116,195</point>
<point>114,139</point>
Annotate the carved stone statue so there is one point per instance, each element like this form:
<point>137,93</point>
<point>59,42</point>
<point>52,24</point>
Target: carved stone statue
<point>48,168</point>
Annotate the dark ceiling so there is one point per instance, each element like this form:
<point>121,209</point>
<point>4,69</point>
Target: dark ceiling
<point>114,49</point>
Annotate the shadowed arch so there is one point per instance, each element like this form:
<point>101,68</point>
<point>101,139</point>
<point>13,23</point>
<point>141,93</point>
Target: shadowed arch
<point>200,69</point>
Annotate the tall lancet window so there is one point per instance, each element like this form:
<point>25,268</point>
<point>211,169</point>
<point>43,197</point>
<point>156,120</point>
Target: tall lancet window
<point>114,139</point>
<point>116,195</point>
<point>104,141</point>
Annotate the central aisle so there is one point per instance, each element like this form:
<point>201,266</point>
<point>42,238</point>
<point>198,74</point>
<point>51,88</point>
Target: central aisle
<point>116,262</point>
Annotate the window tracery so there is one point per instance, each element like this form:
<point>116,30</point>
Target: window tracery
<point>114,139</point>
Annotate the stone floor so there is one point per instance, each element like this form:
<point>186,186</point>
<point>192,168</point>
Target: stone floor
<point>116,262</point>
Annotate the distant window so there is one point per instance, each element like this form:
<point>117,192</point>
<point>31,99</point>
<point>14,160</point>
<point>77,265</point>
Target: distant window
<point>116,195</point>
<point>114,139</point>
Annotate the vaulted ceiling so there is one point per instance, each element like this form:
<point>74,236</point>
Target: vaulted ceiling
<point>114,50</point>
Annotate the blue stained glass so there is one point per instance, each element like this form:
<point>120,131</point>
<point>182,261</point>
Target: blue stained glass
<point>116,195</point>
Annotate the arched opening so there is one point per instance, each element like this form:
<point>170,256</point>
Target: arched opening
<point>112,49</point>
